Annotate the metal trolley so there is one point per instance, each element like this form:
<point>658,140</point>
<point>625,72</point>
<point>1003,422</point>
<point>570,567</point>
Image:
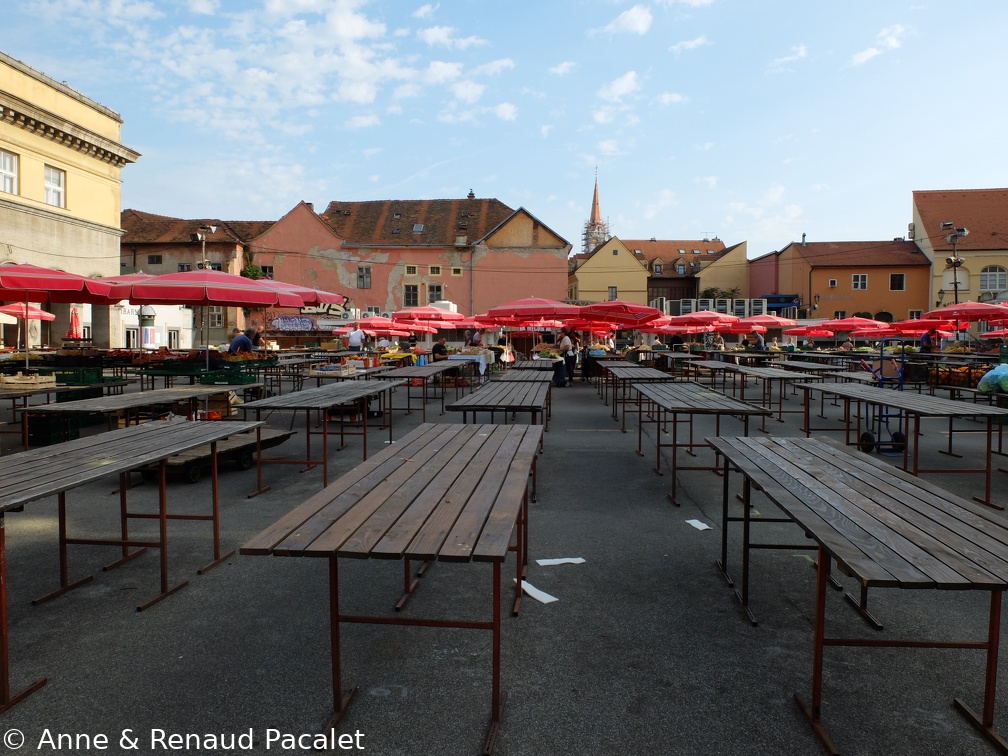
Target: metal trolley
<point>888,372</point>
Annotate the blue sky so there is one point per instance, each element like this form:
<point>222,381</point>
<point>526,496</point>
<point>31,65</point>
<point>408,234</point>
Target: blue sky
<point>751,120</point>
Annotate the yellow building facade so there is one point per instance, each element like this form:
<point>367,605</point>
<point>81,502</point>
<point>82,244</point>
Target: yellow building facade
<point>61,159</point>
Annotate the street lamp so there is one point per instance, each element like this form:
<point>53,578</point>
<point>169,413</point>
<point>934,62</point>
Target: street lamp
<point>954,262</point>
<point>203,263</point>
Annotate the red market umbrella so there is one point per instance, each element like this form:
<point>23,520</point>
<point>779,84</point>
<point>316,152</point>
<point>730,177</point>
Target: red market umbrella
<point>618,311</point>
<point>74,331</point>
<point>877,333</point>
<point>203,288</point>
<point>428,312</point>
<point>31,283</point>
<point>531,308</point>
<point>1000,333</point>
<point>25,312</point>
<point>812,331</point>
<point>740,327</point>
<point>696,328</point>
<point>418,326</point>
<point>704,317</point>
<point>851,324</point>
<point>917,326</point>
<point>310,297</point>
<point>770,321</point>
<point>971,311</point>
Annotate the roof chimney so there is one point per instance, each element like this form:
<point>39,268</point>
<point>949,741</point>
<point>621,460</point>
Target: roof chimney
<point>311,206</point>
<point>470,195</point>
<point>803,239</point>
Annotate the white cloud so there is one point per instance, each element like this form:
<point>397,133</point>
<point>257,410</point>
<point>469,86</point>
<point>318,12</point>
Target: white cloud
<point>609,147</point>
<point>545,129</point>
<point>468,91</point>
<point>666,198</point>
<point>636,20</point>
<point>604,115</point>
<point>425,11</point>
<point>890,38</point>
<point>779,65</point>
<point>362,122</point>
<point>562,69</point>
<point>689,44</point>
<point>374,178</point>
<point>506,111</point>
<point>439,72</point>
<point>619,88</point>
<point>494,67</point>
<point>705,147</point>
<point>444,36</point>
<point>709,181</point>
<point>672,98</point>
<point>204,7</point>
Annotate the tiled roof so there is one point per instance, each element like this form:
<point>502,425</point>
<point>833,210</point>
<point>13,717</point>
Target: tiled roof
<point>148,228</point>
<point>667,250</point>
<point>392,222</point>
<point>983,211</point>
<point>861,254</point>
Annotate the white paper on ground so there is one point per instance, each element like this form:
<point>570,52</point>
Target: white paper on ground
<point>540,596</point>
<point>560,560</point>
<point>699,525</point>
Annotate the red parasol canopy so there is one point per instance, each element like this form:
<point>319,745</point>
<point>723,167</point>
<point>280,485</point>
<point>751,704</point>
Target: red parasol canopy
<point>770,321</point>
<point>74,331</point>
<point>204,287</point>
<point>704,317</point>
<point>419,326</point>
<point>618,311</point>
<point>813,331</point>
<point>427,313</point>
<point>26,312</point>
<point>851,324</point>
<point>971,311</point>
<point>531,308</point>
<point>308,295</point>
<point>1000,333</point>
<point>739,327</point>
<point>917,326</point>
<point>30,283</point>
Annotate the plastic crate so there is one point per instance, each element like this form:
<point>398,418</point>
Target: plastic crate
<point>45,430</point>
<point>73,376</point>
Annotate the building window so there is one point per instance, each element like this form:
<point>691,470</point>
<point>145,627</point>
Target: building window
<point>363,276</point>
<point>132,338</point>
<point>184,267</point>
<point>456,271</point>
<point>434,293</point>
<point>832,283</point>
<point>55,187</point>
<point>612,293</point>
<point>859,281</point>
<point>435,270</point>
<point>615,252</point>
<point>216,316</point>
<point>993,278</point>
<point>173,338</point>
<point>839,313</point>
<point>658,269</point>
<point>696,251</point>
<point>710,251</point>
<point>8,172</point>
<point>897,282</point>
<point>417,228</point>
<point>411,295</point>
<point>411,270</point>
<point>154,259</point>
<point>682,251</point>
<point>680,269</point>
<point>267,271</point>
<point>916,314</point>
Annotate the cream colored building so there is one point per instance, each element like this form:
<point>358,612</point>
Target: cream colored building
<point>61,159</point>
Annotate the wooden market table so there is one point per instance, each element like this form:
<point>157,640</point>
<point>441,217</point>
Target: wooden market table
<point>55,470</point>
<point>620,377</point>
<point>678,398</point>
<point>911,406</point>
<point>507,397</point>
<point>136,405</point>
<point>450,492</point>
<point>885,529</point>
<point>421,376</point>
<point>320,400</point>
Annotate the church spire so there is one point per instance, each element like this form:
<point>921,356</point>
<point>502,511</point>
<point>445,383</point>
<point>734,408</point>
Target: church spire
<point>596,230</point>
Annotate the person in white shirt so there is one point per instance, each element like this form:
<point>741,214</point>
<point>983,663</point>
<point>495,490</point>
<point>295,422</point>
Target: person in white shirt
<point>355,338</point>
<point>610,342</point>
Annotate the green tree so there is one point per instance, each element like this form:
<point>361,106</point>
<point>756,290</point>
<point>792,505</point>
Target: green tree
<point>716,293</point>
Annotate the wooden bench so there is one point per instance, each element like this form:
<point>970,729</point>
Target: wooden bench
<point>448,492</point>
<point>884,528</point>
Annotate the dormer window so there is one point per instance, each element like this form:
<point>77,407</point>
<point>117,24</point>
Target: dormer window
<point>681,269</point>
<point>396,216</point>
<point>658,268</point>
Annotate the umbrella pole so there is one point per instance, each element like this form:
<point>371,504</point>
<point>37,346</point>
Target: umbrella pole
<point>26,358</point>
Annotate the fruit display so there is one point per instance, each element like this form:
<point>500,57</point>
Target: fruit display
<point>963,375</point>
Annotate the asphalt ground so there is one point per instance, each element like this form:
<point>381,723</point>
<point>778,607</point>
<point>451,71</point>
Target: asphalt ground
<point>646,651</point>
